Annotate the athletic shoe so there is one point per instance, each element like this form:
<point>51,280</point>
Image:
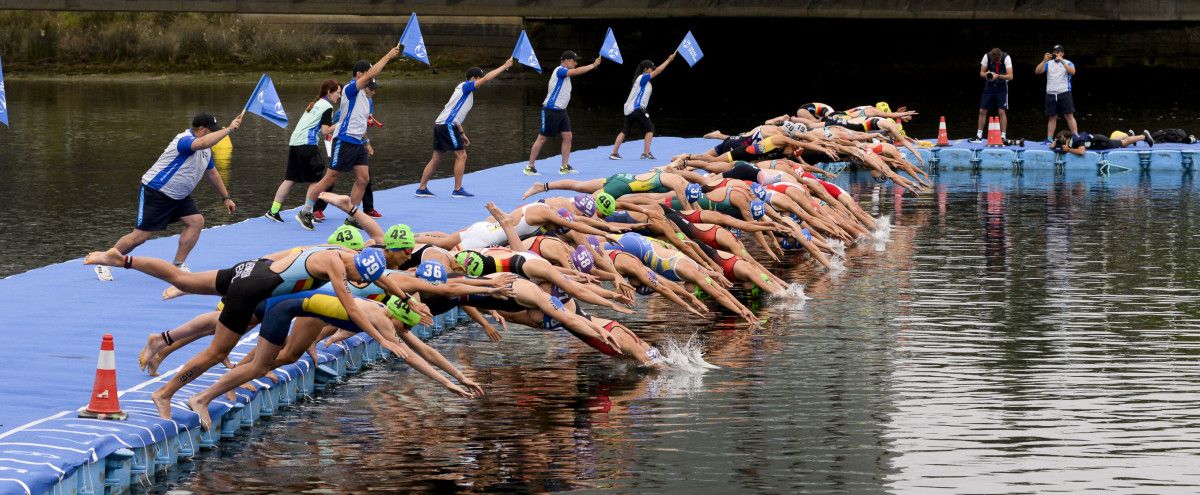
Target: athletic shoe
<point>104,273</point>
<point>183,267</point>
<point>306,219</point>
<point>374,213</point>
<point>318,216</point>
<point>461,193</point>
<point>975,140</point>
<point>566,169</point>
<point>352,222</point>
<point>529,170</point>
<point>1131,133</point>
<point>424,193</point>
<point>647,156</point>
<point>273,216</point>
<point>614,156</point>
<point>1149,140</point>
<point>1191,139</point>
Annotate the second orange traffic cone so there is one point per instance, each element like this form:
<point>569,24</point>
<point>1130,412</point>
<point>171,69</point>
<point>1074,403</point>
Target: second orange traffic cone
<point>104,403</point>
<point>943,137</point>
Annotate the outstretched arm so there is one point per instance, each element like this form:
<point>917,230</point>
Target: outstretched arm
<point>578,71</point>
<point>495,72</point>
<point>658,70</point>
<point>370,74</point>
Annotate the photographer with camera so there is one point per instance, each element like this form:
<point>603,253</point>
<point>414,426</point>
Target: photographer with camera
<point>996,71</point>
<point>1058,72</point>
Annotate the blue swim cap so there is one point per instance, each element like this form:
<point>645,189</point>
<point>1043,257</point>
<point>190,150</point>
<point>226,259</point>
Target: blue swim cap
<point>789,243</point>
<point>759,190</point>
<point>558,304</point>
<point>758,209</point>
<point>736,232</point>
<point>432,271</point>
<point>693,192</point>
<point>807,234</point>
<point>370,264</point>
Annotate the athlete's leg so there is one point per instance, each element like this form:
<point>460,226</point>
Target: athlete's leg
<point>316,188</point>
<point>260,363</point>
<point>646,149</point>
<point>223,342</point>
<point>281,193</point>
<point>159,345</point>
<point>617,144</point>
<point>192,225</point>
<point>982,117</point>
<point>1071,124</point>
<point>195,283</point>
<point>583,186</point>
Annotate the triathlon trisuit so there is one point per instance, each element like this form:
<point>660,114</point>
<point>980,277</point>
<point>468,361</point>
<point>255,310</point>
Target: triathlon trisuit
<point>693,231</point>
<point>765,149</point>
<point>866,125</point>
<point>418,255</point>
<point>619,185</point>
<point>278,312</point>
<point>249,283</point>
<point>513,264</point>
<point>819,110</point>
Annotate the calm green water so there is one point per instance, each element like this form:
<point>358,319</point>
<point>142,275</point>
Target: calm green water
<point>1023,334</point>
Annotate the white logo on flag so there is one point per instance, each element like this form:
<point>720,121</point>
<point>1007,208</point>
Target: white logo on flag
<point>687,45</point>
<point>420,49</point>
<point>612,52</point>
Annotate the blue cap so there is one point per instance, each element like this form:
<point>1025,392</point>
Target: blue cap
<point>693,192</point>
<point>758,209</point>
<point>370,264</point>
<point>759,190</point>
<point>807,234</point>
<point>789,243</point>
<point>432,271</point>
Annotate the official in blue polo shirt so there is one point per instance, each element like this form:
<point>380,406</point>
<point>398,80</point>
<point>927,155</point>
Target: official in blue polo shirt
<point>448,134</point>
<point>166,191</point>
<point>555,122</point>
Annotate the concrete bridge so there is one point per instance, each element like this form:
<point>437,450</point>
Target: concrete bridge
<point>1096,10</point>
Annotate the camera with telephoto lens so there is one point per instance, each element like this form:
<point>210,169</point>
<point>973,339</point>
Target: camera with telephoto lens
<point>991,76</point>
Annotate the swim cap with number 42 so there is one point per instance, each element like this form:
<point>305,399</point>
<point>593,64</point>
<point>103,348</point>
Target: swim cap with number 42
<point>399,236</point>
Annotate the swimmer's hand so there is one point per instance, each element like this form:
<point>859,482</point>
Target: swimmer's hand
<point>423,310</point>
<point>504,292</point>
<point>460,391</point>
<point>473,386</point>
<point>502,279</point>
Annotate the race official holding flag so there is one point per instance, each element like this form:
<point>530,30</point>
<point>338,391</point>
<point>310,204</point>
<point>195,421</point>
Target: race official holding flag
<point>166,190</point>
<point>351,149</point>
<point>554,119</point>
<point>637,103</point>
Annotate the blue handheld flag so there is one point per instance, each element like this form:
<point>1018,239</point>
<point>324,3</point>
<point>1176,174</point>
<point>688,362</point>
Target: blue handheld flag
<point>264,101</point>
<point>414,43</point>
<point>690,49</point>
<point>609,49</point>
<point>524,55</point>
<point>3,99</point>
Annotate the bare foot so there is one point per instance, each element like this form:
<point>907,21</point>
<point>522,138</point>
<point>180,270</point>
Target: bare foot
<point>227,363</point>
<point>249,386</point>
<point>112,257</point>
<point>231,396</point>
<point>154,343</point>
<point>537,187</point>
<point>152,363</point>
<point>272,376</point>
<point>172,292</point>
<point>162,403</point>
<point>341,201</point>
<point>200,407</point>
<point>715,135</point>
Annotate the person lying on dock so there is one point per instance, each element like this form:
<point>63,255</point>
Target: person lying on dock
<point>530,220</point>
<point>1079,144</point>
<point>657,180</point>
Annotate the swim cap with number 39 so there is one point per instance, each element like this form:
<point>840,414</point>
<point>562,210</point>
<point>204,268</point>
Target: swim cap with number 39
<point>370,264</point>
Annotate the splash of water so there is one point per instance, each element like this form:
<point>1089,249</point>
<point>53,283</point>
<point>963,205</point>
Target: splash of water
<point>883,228</point>
<point>838,247</point>
<point>836,265</point>
<point>686,357</point>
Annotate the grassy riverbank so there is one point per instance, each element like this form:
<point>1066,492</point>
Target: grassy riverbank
<point>88,43</point>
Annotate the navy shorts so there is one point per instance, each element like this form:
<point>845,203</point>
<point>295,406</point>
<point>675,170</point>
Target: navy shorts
<point>1059,104</point>
<point>305,164</point>
<point>994,99</point>
<point>447,137</point>
<point>156,210</point>
<point>554,122</point>
<point>348,155</point>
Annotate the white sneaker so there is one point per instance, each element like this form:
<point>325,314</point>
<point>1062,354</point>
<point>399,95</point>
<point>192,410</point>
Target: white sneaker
<point>104,273</point>
<point>183,267</point>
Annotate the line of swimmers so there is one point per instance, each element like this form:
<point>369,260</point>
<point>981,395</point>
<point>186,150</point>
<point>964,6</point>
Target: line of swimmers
<point>676,230</point>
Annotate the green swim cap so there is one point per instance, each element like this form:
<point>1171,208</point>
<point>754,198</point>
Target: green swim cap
<point>399,236</point>
<point>401,311</point>
<point>471,261</point>
<point>347,236</point>
<point>606,204</point>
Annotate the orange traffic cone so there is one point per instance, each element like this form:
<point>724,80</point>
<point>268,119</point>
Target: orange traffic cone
<point>994,132</point>
<point>104,403</point>
<point>943,137</point>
